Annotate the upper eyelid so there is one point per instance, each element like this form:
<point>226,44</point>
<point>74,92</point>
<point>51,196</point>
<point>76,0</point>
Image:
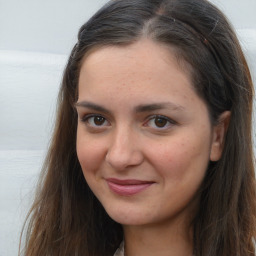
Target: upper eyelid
<point>162,116</point>
<point>87,116</point>
<point>151,116</point>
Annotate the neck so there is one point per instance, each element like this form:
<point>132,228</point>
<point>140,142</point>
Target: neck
<point>166,239</point>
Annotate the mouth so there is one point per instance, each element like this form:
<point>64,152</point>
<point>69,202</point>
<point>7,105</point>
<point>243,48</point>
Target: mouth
<point>128,187</point>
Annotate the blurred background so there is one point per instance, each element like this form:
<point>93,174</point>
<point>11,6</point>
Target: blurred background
<point>36,37</point>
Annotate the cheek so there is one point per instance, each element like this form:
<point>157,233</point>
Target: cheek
<point>181,158</point>
<point>90,153</point>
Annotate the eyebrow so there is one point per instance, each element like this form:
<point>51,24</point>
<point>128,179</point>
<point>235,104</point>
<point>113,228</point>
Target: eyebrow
<point>138,109</point>
<point>93,106</point>
<point>158,106</point>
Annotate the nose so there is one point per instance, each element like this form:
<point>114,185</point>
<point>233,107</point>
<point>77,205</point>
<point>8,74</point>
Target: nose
<point>124,150</point>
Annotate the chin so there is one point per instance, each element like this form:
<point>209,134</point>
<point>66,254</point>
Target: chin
<point>129,220</point>
<point>128,217</point>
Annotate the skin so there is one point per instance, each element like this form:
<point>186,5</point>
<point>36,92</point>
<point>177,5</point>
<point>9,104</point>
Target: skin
<point>126,141</point>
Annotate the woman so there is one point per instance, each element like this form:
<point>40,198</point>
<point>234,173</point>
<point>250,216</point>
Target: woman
<point>152,149</point>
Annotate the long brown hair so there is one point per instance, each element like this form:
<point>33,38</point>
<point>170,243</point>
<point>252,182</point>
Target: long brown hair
<point>67,219</point>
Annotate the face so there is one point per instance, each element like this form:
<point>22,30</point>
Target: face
<point>144,138</point>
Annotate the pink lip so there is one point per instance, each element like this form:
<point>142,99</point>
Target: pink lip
<point>127,187</point>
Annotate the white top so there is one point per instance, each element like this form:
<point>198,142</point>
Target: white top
<point>120,250</point>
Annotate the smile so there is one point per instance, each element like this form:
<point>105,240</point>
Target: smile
<point>127,187</point>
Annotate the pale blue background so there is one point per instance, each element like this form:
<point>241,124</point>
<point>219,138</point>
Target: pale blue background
<point>35,38</point>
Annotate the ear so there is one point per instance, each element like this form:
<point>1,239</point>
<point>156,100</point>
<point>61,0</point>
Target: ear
<point>218,138</point>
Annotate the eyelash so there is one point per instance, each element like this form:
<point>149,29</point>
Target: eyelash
<point>86,119</point>
<point>168,121</point>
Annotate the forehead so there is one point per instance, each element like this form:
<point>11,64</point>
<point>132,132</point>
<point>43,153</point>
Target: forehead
<point>145,55</point>
<point>142,69</point>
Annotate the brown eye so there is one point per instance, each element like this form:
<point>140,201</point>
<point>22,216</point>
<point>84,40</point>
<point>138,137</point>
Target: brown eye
<point>160,122</point>
<point>96,121</point>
